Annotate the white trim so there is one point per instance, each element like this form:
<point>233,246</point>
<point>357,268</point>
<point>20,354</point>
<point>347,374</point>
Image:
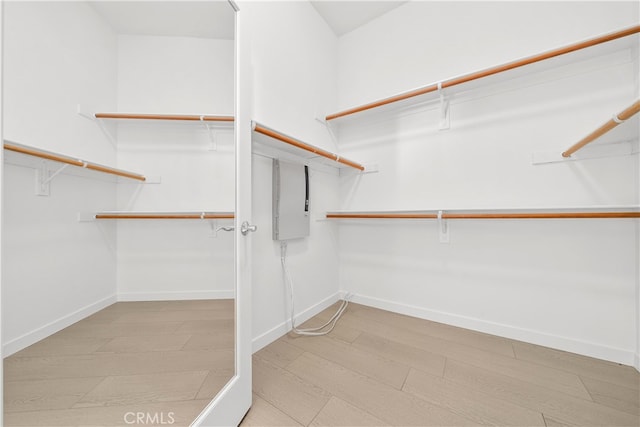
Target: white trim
<point>51,328</point>
<point>230,394</point>
<point>281,329</point>
<point>56,325</point>
<point>3,352</point>
<point>175,295</point>
<point>618,355</point>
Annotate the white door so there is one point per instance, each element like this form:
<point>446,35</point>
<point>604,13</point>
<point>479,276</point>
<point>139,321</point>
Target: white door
<point>234,400</point>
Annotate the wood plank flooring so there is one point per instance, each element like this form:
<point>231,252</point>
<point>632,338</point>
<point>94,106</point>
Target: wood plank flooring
<point>165,360</point>
<point>168,360</point>
<point>380,368</point>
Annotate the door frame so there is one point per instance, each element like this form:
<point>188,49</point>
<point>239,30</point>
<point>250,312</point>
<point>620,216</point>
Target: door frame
<point>1,201</point>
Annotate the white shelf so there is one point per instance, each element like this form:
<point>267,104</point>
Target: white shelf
<point>22,153</point>
<point>217,119</point>
<point>271,143</point>
<point>578,58</point>
<point>130,215</point>
<point>630,211</point>
<point>202,129</point>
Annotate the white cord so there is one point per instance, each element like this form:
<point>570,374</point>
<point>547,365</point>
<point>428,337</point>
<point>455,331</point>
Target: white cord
<point>306,331</point>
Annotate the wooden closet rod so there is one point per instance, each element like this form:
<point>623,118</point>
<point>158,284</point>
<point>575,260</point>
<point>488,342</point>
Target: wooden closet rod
<point>197,215</point>
<point>307,147</point>
<point>71,161</point>
<point>522,215</point>
<point>381,216</point>
<point>626,114</point>
<point>186,117</point>
<point>534,215</point>
<point>490,71</point>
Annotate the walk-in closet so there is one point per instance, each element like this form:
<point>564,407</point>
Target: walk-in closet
<point>320,213</point>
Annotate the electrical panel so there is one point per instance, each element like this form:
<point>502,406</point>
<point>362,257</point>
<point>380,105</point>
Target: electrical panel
<point>290,200</point>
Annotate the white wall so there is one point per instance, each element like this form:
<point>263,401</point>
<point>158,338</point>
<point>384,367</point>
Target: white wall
<point>176,259</point>
<point>424,42</point>
<point>181,75</point>
<point>294,58</point>
<point>567,284</point>
<point>58,55</point>
<point>56,270</point>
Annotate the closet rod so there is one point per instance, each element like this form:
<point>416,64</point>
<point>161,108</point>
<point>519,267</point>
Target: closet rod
<point>612,123</point>
<point>71,161</point>
<point>522,215</point>
<point>196,215</point>
<point>186,117</point>
<point>381,216</point>
<point>490,71</point>
<point>307,147</point>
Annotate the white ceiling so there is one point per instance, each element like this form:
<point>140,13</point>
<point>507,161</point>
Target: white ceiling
<point>214,19</point>
<point>345,16</point>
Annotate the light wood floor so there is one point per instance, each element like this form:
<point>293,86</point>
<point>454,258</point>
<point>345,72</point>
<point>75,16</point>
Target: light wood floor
<point>166,359</point>
<point>379,368</point>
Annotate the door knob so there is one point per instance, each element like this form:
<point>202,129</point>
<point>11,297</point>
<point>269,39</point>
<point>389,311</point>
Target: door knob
<point>245,228</point>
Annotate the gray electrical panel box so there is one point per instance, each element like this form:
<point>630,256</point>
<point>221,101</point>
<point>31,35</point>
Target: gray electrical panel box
<point>290,200</point>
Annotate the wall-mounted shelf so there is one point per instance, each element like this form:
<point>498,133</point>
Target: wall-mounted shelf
<point>271,143</point>
<point>583,50</point>
<point>569,213</point>
<point>161,215</point>
<point>73,161</point>
<point>442,217</point>
<point>209,118</point>
<point>107,121</point>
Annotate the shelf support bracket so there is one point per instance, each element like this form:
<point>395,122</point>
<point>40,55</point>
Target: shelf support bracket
<point>82,111</point>
<point>445,119</point>
<point>330,130</point>
<point>443,228</point>
<point>212,134</point>
<point>107,133</point>
<point>86,216</point>
<point>44,178</point>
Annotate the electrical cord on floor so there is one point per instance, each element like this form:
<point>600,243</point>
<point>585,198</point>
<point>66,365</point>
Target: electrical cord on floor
<point>319,331</point>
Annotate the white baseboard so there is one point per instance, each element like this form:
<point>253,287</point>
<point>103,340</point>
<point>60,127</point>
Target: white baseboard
<point>598,351</point>
<point>279,330</point>
<point>175,295</point>
<point>51,328</point>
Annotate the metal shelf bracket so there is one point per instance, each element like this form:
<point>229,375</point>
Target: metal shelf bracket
<point>44,177</point>
<point>212,134</point>
<point>443,228</point>
<point>445,119</point>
